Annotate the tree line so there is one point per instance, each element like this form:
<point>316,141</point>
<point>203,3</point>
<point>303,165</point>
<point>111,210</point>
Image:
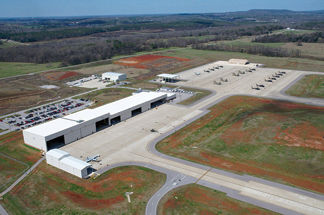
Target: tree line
<point>255,50</point>
<point>316,37</point>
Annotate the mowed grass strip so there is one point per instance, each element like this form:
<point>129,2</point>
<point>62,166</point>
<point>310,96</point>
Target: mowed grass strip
<point>51,191</point>
<point>8,69</point>
<point>272,139</point>
<point>308,86</point>
<point>196,199</point>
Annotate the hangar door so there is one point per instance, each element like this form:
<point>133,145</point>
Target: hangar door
<point>136,111</point>
<point>102,124</point>
<point>55,143</point>
<point>157,103</point>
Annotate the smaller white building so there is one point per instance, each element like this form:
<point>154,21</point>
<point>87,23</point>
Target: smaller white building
<point>113,76</point>
<point>64,161</point>
<point>168,77</point>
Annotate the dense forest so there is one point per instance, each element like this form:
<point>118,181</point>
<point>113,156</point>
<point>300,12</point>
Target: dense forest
<point>75,40</point>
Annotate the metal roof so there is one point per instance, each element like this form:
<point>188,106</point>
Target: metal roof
<point>112,74</point>
<point>128,102</point>
<point>58,154</point>
<point>171,76</point>
<point>75,163</point>
<point>51,127</point>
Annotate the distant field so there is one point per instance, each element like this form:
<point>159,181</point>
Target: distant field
<point>101,97</point>
<point>309,86</point>
<point>196,199</point>
<point>296,31</point>
<point>8,69</point>
<point>10,43</point>
<point>205,56</point>
<point>51,191</point>
<point>262,137</point>
<point>308,49</point>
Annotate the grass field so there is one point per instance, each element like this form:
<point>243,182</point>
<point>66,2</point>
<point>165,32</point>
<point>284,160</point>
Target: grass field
<point>51,191</point>
<point>15,157</point>
<point>196,199</point>
<point>262,137</point>
<point>206,56</point>
<point>10,170</point>
<point>8,69</point>
<point>200,94</point>
<point>104,96</point>
<point>308,86</point>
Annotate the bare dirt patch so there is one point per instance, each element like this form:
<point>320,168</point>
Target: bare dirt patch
<point>60,75</point>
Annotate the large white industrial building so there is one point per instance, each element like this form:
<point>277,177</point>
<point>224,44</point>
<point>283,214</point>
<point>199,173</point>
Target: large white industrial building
<point>64,161</point>
<point>59,132</point>
<point>113,76</point>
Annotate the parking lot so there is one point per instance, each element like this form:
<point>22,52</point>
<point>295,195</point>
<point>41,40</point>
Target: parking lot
<point>181,94</point>
<point>42,114</point>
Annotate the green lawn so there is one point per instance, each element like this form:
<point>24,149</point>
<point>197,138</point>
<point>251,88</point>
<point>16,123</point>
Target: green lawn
<point>249,43</point>
<point>196,199</point>
<point>8,69</point>
<point>256,136</point>
<point>199,94</point>
<point>309,86</point>
<point>49,190</point>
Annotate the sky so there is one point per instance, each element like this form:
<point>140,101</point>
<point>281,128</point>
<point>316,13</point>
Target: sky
<point>41,8</point>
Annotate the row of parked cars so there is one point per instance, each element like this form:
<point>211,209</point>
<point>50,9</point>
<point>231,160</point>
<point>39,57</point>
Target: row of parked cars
<point>45,113</point>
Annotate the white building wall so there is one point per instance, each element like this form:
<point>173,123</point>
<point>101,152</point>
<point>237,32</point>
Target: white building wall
<point>34,140</point>
<point>72,136</point>
<point>88,129</point>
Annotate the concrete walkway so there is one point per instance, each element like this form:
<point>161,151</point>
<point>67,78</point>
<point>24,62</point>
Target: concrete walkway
<point>22,177</point>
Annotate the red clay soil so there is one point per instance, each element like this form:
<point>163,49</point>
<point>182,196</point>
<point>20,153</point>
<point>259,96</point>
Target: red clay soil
<point>110,181</point>
<point>302,135</point>
<point>199,195</point>
<point>141,61</point>
<point>13,136</point>
<point>60,75</point>
<point>92,203</point>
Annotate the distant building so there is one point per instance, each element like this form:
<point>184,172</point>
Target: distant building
<point>168,77</point>
<point>239,61</point>
<point>113,76</point>
<point>64,161</point>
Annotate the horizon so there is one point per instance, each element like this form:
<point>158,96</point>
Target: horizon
<point>153,14</point>
<point>83,8</point>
